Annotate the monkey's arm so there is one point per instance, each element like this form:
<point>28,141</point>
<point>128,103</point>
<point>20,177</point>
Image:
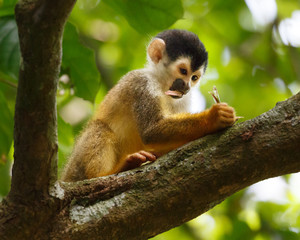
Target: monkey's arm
<point>171,132</point>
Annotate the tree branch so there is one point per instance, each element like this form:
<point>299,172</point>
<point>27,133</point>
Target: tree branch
<point>40,26</point>
<point>183,184</point>
<point>28,207</point>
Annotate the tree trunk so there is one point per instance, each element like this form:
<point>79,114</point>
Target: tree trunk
<point>40,26</point>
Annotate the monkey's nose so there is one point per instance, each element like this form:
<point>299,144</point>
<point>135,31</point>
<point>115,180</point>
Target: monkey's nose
<point>180,85</point>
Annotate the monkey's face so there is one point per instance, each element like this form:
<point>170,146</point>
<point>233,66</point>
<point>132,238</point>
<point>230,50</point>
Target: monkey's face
<point>181,77</point>
<point>177,59</point>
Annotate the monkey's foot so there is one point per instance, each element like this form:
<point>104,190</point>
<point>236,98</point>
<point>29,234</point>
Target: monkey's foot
<point>137,159</point>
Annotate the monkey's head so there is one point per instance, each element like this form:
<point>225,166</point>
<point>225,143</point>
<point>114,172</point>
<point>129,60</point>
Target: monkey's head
<point>179,60</point>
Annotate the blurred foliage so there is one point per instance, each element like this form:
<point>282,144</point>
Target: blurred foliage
<point>249,62</point>
<point>79,64</point>
<point>148,15</point>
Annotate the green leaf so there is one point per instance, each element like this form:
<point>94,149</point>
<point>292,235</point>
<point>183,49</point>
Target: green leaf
<point>6,127</point>
<point>5,165</point>
<point>79,62</point>
<point>9,48</point>
<point>7,7</point>
<point>6,137</point>
<point>147,16</point>
<point>9,2</point>
<point>9,68</point>
<point>65,141</point>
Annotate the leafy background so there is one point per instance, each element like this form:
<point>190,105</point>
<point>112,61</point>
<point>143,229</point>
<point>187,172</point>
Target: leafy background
<point>254,60</point>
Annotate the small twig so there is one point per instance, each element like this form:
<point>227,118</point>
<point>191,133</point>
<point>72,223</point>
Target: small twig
<point>215,95</point>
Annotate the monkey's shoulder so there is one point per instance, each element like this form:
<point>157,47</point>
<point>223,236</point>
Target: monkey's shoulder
<point>132,91</point>
<point>135,80</point>
<point>134,88</point>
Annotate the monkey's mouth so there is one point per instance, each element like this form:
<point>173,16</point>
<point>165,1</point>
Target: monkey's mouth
<point>178,89</point>
<point>174,93</point>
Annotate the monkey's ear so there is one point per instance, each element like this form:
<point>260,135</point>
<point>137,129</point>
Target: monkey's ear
<point>156,49</point>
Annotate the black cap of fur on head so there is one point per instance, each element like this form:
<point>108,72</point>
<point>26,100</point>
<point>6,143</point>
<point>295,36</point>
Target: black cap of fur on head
<point>184,43</point>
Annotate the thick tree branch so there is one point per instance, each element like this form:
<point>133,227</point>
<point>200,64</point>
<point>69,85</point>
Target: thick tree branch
<point>184,183</point>
<point>40,26</point>
<point>28,206</point>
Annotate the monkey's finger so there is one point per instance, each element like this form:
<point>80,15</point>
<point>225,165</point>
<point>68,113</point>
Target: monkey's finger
<point>222,104</point>
<point>227,109</point>
<point>227,114</point>
<point>151,157</point>
<point>227,121</point>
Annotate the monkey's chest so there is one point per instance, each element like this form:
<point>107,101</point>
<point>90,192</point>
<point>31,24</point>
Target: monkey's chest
<point>172,106</point>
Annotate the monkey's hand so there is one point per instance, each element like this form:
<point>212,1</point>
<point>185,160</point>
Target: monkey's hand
<point>137,159</point>
<point>220,116</point>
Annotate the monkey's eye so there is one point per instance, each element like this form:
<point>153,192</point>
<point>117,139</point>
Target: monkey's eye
<point>194,78</point>
<point>183,71</point>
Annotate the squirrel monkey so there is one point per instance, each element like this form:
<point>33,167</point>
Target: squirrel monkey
<point>147,113</point>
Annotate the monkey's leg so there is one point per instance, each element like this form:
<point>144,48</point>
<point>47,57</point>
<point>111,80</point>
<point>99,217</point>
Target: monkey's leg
<point>104,162</point>
<point>95,153</point>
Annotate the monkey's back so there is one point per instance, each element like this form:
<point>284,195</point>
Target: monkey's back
<point>117,109</point>
<point>113,125</point>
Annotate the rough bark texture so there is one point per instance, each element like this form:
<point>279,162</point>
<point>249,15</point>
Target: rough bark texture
<point>40,25</point>
<point>135,204</point>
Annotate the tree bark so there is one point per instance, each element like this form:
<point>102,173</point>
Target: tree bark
<point>139,203</point>
<point>40,26</point>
